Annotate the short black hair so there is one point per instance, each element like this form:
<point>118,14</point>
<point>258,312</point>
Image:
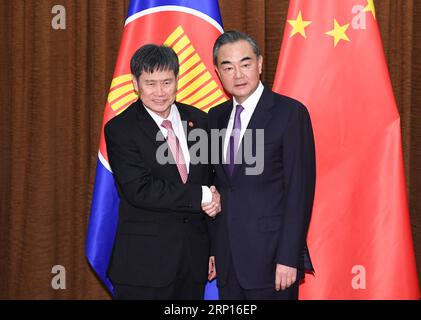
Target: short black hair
<point>233,36</point>
<point>151,57</point>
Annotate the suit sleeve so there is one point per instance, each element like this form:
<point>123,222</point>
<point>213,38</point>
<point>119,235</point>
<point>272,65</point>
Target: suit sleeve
<point>299,174</point>
<point>137,184</point>
<point>212,173</point>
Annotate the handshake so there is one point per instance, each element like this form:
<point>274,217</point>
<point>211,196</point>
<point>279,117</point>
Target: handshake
<point>214,207</point>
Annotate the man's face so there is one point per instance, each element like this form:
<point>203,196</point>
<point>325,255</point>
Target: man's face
<point>157,90</point>
<point>239,69</point>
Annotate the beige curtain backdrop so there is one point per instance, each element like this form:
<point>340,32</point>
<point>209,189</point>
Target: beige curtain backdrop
<point>53,89</point>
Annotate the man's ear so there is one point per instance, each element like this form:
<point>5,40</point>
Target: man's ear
<point>260,63</point>
<point>135,84</point>
<point>217,72</point>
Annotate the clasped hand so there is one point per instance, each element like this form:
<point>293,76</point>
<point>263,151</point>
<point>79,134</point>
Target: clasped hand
<point>214,207</point>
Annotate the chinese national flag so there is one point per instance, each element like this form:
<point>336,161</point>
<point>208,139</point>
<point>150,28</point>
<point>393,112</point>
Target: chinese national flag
<point>360,236</point>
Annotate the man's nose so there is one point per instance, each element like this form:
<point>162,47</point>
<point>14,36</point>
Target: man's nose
<point>159,90</point>
<point>237,73</point>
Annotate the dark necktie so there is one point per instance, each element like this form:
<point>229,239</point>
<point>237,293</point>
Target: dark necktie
<point>234,139</point>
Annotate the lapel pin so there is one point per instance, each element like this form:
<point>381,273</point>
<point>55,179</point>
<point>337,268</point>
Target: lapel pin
<point>190,124</point>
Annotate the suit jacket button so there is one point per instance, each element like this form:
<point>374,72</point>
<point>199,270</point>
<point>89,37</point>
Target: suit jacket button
<point>185,220</point>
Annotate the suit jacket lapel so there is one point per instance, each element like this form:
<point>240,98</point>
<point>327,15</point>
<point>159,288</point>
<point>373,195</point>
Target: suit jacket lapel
<point>222,125</point>
<point>259,119</point>
<point>153,132</point>
<point>188,124</point>
<point>148,125</point>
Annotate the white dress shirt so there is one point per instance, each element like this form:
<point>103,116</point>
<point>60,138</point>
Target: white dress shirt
<point>249,105</point>
<point>177,126</point>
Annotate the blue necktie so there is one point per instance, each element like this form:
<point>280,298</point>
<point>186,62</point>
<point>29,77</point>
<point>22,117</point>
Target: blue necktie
<point>234,139</point>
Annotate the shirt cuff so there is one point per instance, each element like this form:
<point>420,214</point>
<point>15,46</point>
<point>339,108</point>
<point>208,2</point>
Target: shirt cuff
<point>206,194</point>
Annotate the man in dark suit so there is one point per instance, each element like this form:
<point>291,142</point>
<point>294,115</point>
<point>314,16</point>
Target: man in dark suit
<point>259,238</point>
<point>161,248</point>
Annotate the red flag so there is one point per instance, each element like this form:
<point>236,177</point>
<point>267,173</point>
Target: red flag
<point>360,236</point>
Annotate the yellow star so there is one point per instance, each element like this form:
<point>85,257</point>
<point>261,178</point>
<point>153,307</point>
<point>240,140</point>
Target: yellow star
<point>298,25</point>
<point>370,7</point>
<point>338,32</point>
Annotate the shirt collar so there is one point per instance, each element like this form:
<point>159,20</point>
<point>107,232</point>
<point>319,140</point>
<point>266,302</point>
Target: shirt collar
<point>251,102</point>
<point>158,119</point>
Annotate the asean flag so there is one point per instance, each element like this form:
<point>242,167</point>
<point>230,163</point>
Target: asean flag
<point>190,28</point>
<point>359,238</point>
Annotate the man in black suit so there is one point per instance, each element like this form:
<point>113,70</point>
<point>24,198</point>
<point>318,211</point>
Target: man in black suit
<point>259,238</point>
<point>161,248</point>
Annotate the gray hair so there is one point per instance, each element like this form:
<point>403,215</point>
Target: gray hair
<point>231,37</point>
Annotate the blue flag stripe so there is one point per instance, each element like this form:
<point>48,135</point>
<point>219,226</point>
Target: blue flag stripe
<point>209,8</point>
<point>102,223</point>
